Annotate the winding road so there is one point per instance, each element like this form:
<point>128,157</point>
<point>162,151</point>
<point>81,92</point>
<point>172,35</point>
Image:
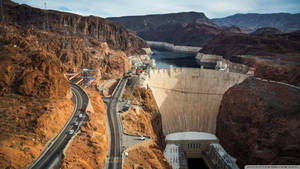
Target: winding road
<point>54,150</point>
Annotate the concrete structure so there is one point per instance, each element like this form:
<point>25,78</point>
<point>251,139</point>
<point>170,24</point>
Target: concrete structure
<point>189,98</point>
<point>183,145</point>
<point>176,157</point>
<point>192,143</point>
<point>208,58</point>
<point>222,66</point>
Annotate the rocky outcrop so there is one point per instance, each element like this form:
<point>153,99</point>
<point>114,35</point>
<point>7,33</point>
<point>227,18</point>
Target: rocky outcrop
<point>92,141</point>
<point>91,27</point>
<point>34,97</point>
<point>287,73</point>
<point>258,123</point>
<point>266,31</point>
<point>232,29</point>
<point>27,70</point>
<point>145,120</point>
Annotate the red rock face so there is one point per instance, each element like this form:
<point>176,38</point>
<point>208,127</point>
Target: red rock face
<point>259,123</point>
<point>116,36</point>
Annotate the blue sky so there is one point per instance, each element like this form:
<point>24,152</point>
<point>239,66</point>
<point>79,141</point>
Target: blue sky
<point>212,8</point>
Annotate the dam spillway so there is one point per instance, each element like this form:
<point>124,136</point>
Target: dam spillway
<point>189,98</point>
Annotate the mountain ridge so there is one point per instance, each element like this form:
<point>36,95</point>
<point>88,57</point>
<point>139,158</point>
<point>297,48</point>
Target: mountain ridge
<point>249,22</point>
<point>147,22</point>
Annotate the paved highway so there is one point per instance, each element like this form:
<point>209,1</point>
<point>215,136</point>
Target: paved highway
<point>57,145</point>
<point>115,159</point>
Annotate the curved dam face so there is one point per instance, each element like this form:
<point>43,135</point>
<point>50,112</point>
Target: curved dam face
<point>189,98</point>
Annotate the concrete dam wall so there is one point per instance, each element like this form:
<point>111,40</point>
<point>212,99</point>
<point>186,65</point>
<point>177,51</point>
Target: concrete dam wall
<point>189,98</point>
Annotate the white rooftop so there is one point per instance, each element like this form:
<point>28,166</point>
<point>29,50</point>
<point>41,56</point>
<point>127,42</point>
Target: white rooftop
<point>191,136</point>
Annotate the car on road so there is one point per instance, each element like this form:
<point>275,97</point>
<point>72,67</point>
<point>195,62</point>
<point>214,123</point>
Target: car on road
<point>82,109</point>
<point>75,123</point>
<point>71,132</point>
<point>80,115</point>
<point>142,138</point>
<point>126,107</point>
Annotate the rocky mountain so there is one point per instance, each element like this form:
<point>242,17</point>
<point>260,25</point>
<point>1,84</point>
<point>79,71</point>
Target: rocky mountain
<point>149,22</point>
<point>26,69</point>
<point>231,44</point>
<point>274,56</point>
<point>34,96</point>
<point>232,29</point>
<point>258,123</point>
<point>266,31</point>
<point>179,34</point>
<point>250,22</point>
<point>69,24</point>
<point>37,48</point>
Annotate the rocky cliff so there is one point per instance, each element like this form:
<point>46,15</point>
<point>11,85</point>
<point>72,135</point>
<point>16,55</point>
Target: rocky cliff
<point>182,34</point>
<point>258,123</point>
<point>88,148</point>
<point>34,97</point>
<point>230,44</point>
<point>27,69</point>
<point>91,27</point>
<point>266,31</point>
<point>145,120</point>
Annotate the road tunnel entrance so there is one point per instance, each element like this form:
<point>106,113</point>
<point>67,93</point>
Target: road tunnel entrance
<point>196,163</point>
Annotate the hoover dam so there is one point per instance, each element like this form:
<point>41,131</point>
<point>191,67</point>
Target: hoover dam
<point>189,98</point>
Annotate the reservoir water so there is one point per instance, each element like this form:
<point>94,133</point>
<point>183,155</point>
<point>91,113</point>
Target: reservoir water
<point>164,59</point>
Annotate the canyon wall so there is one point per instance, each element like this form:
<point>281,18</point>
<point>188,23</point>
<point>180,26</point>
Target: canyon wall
<point>258,123</point>
<point>90,27</point>
<point>189,98</point>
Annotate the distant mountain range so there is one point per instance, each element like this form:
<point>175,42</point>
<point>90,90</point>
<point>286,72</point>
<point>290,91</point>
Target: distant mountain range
<point>283,21</point>
<point>195,29</point>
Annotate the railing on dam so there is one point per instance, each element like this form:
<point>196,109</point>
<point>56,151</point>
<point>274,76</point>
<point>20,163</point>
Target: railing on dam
<point>220,158</point>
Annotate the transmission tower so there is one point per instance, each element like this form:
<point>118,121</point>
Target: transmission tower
<point>45,23</point>
<point>1,11</point>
